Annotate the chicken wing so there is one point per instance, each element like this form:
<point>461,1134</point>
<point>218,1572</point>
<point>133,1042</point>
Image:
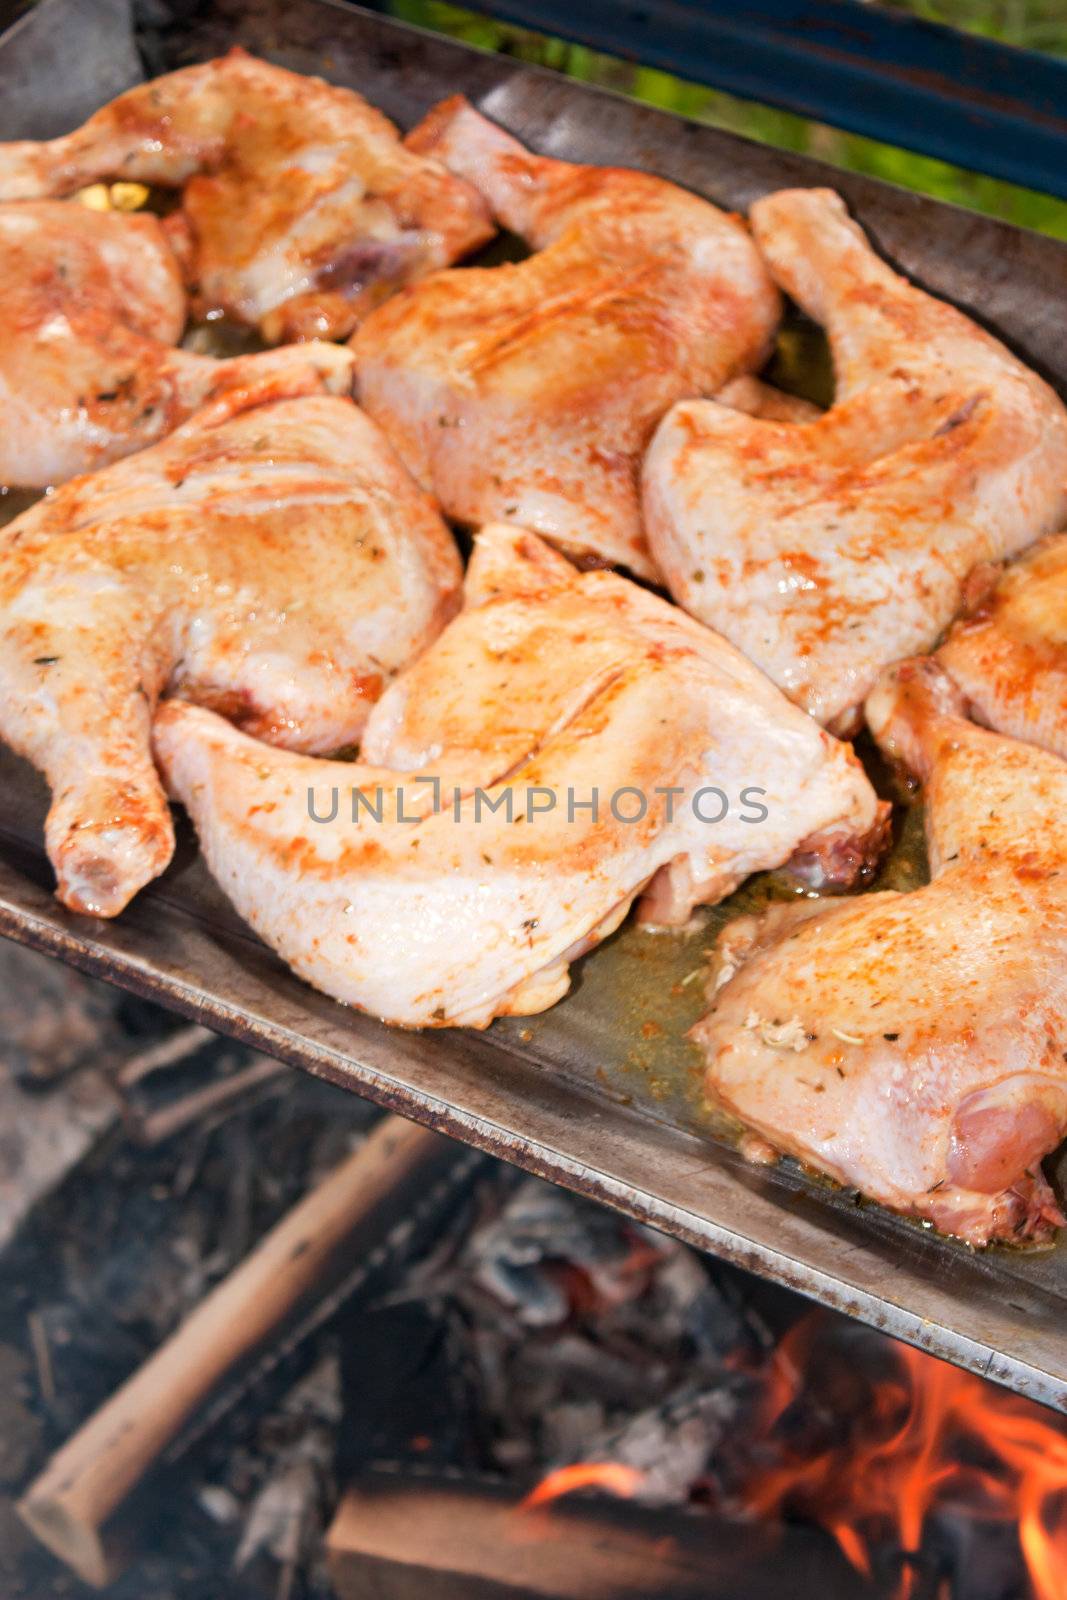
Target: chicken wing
<point>275,561</point>
<point>526,393</point>
<point>90,304</point>
<point>1010,655</point>
<point>300,208</point>
<point>828,550</point>
<point>565,745</point>
<point>913,1045</point>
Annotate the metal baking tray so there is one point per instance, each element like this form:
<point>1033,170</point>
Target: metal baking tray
<point>601,1093</point>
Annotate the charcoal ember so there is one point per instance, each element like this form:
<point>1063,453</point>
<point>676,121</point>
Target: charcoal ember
<point>528,1257</point>
<point>584,1366</point>
<point>703,1307</point>
<point>673,1446</point>
<point>408,1388</point>
<point>567,1428</point>
<point>593,1339</point>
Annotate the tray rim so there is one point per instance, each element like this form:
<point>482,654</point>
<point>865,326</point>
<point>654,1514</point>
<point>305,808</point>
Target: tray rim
<point>615,1170</point>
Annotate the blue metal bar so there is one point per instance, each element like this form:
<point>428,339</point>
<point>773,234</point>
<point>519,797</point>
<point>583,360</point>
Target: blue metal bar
<point>966,99</point>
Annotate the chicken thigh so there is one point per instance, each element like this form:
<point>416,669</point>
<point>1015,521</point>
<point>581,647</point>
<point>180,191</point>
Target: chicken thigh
<point>1010,655</point>
<point>827,550</point>
<point>526,393</point>
<point>91,303</point>
<point>568,743</point>
<point>913,1045</point>
<point>300,209</point>
<point>275,561</point>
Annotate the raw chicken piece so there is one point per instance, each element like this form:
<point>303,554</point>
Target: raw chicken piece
<point>913,1045</point>
<point>300,209</point>
<point>526,393</point>
<point>90,304</point>
<point>759,399</point>
<point>1010,655</point>
<point>274,561</point>
<point>826,551</point>
<point>550,687</point>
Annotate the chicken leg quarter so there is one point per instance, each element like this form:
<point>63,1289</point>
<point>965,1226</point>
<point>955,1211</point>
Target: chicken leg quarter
<point>276,562</point>
<point>90,304</point>
<point>825,551</point>
<point>526,393</point>
<point>913,1045</point>
<point>300,208</point>
<point>574,724</point>
<point>1009,656</point>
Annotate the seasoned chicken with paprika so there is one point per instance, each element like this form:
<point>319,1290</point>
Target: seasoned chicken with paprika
<point>564,747</point>
<point>91,307</point>
<point>272,560</point>
<point>526,393</point>
<point>300,207</point>
<point>914,1046</point>
<point>827,550</point>
<point>1009,654</point>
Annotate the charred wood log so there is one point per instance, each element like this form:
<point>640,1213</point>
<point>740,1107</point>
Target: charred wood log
<point>404,1538</point>
<point>339,1222</point>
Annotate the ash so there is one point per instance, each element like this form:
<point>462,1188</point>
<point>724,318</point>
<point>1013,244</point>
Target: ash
<point>584,1337</point>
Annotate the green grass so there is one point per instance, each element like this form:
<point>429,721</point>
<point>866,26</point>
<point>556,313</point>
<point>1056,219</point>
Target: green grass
<point>1034,24</point>
<point>1030,24</point>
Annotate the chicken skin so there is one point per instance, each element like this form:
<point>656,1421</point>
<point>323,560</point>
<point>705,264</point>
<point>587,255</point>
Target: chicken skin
<point>828,550</point>
<point>566,727</point>
<point>913,1045</point>
<point>526,393</point>
<point>273,560</point>
<point>90,304</point>
<point>1009,656</point>
<point>300,206</point>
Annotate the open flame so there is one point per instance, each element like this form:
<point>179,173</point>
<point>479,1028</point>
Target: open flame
<point>611,1477</point>
<point>892,1448</point>
<point>930,1434</point>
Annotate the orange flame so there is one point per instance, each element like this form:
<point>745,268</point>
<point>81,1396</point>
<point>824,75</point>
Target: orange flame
<point>611,1476</point>
<point>930,1433</point>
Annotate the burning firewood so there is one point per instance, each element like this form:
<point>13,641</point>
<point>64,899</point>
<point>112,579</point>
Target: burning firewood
<point>345,1216</point>
<point>403,1538</point>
